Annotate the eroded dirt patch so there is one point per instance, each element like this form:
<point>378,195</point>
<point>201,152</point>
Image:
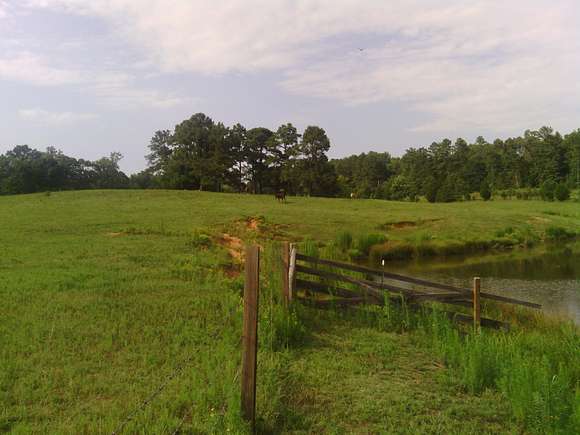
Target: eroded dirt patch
<point>234,246</point>
<point>252,223</point>
<point>406,224</point>
<point>401,224</point>
<point>536,219</point>
<point>252,227</point>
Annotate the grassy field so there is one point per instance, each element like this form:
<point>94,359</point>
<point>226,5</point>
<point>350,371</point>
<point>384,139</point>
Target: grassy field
<point>109,297</point>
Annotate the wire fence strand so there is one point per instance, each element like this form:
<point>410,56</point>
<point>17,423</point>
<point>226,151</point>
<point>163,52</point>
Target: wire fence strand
<point>157,392</point>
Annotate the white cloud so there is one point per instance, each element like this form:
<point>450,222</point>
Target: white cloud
<point>30,68</point>
<point>111,88</point>
<point>116,90</point>
<point>54,118</point>
<point>492,64</point>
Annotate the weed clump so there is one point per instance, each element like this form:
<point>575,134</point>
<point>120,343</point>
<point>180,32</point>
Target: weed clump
<point>344,241</point>
<point>310,247</point>
<point>554,233</point>
<point>365,242</point>
<point>200,240</point>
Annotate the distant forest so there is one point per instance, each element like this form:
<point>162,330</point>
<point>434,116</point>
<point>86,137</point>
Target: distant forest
<point>26,170</point>
<point>203,154</point>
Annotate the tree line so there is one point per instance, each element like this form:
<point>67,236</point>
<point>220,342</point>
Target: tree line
<point>27,170</point>
<point>536,164</point>
<point>202,154</point>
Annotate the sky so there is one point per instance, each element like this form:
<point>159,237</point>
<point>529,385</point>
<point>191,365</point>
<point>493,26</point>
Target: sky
<point>95,76</point>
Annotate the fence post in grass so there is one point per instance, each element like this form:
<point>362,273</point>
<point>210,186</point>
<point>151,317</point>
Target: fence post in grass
<point>250,334</point>
<point>476,303</point>
<point>292,272</point>
<point>286,272</point>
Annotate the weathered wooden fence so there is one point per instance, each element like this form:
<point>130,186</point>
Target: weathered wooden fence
<point>376,285</point>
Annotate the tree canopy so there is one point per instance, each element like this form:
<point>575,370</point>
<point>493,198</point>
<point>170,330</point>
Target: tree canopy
<point>27,170</point>
<point>206,155</point>
<point>200,153</point>
<point>449,171</point>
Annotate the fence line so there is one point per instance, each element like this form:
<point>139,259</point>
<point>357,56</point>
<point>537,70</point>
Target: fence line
<point>373,292</point>
<point>368,292</point>
<point>412,280</point>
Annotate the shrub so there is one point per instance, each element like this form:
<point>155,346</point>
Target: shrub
<point>485,191</point>
<point>398,188</point>
<point>445,194</point>
<point>431,193</point>
<point>559,233</point>
<point>562,192</point>
<point>200,240</point>
<point>547,190</point>
<point>354,254</point>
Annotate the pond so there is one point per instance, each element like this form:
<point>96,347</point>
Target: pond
<point>549,275</point>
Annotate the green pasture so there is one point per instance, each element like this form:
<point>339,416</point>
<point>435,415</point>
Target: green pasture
<point>121,311</point>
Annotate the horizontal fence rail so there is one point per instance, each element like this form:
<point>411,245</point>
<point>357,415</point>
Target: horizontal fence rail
<point>375,290</point>
<point>376,286</point>
<point>407,279</point>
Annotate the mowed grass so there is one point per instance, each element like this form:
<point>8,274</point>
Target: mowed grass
<point>106,296</point>
<point>355,378</point>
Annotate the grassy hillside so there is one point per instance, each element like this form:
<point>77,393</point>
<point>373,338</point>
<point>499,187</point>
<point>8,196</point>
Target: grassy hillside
<point>300,217</point>
<point>109,295</point>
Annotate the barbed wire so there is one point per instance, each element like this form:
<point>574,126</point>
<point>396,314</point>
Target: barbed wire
<point>180,425</point>
<point>174,374</point>
<point>148,400</point>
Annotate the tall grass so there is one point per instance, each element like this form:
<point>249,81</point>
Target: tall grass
<point>538,371</point>
<point>279,329</point>
<point>358,247</point>
<point>344,240</point>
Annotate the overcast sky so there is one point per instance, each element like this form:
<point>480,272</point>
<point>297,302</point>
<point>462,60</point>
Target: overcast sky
<point>95,76</point>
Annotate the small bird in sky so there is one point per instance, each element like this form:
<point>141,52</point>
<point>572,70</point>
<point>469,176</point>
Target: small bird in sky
<point>361,49</point>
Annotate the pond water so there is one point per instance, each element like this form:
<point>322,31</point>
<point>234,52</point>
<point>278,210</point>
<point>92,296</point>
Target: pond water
<point>549,275</point>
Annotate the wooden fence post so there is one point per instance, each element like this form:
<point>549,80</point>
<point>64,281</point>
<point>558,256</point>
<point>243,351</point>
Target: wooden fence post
<point>476,303</point>
<point>292,272</point>
<point>250,334</point>
<point>286,272</point>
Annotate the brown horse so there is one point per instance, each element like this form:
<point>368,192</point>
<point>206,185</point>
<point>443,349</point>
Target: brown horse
<point>280,195</point>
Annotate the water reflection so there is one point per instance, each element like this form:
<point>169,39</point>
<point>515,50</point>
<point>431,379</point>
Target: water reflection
<point>549,276</point>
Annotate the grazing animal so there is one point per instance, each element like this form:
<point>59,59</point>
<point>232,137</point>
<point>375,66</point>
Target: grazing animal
<point>281,195</point>
<point>352,195</point>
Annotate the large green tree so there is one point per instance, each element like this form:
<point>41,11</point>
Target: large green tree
<point>317,176</point>
<point>257,145</point>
